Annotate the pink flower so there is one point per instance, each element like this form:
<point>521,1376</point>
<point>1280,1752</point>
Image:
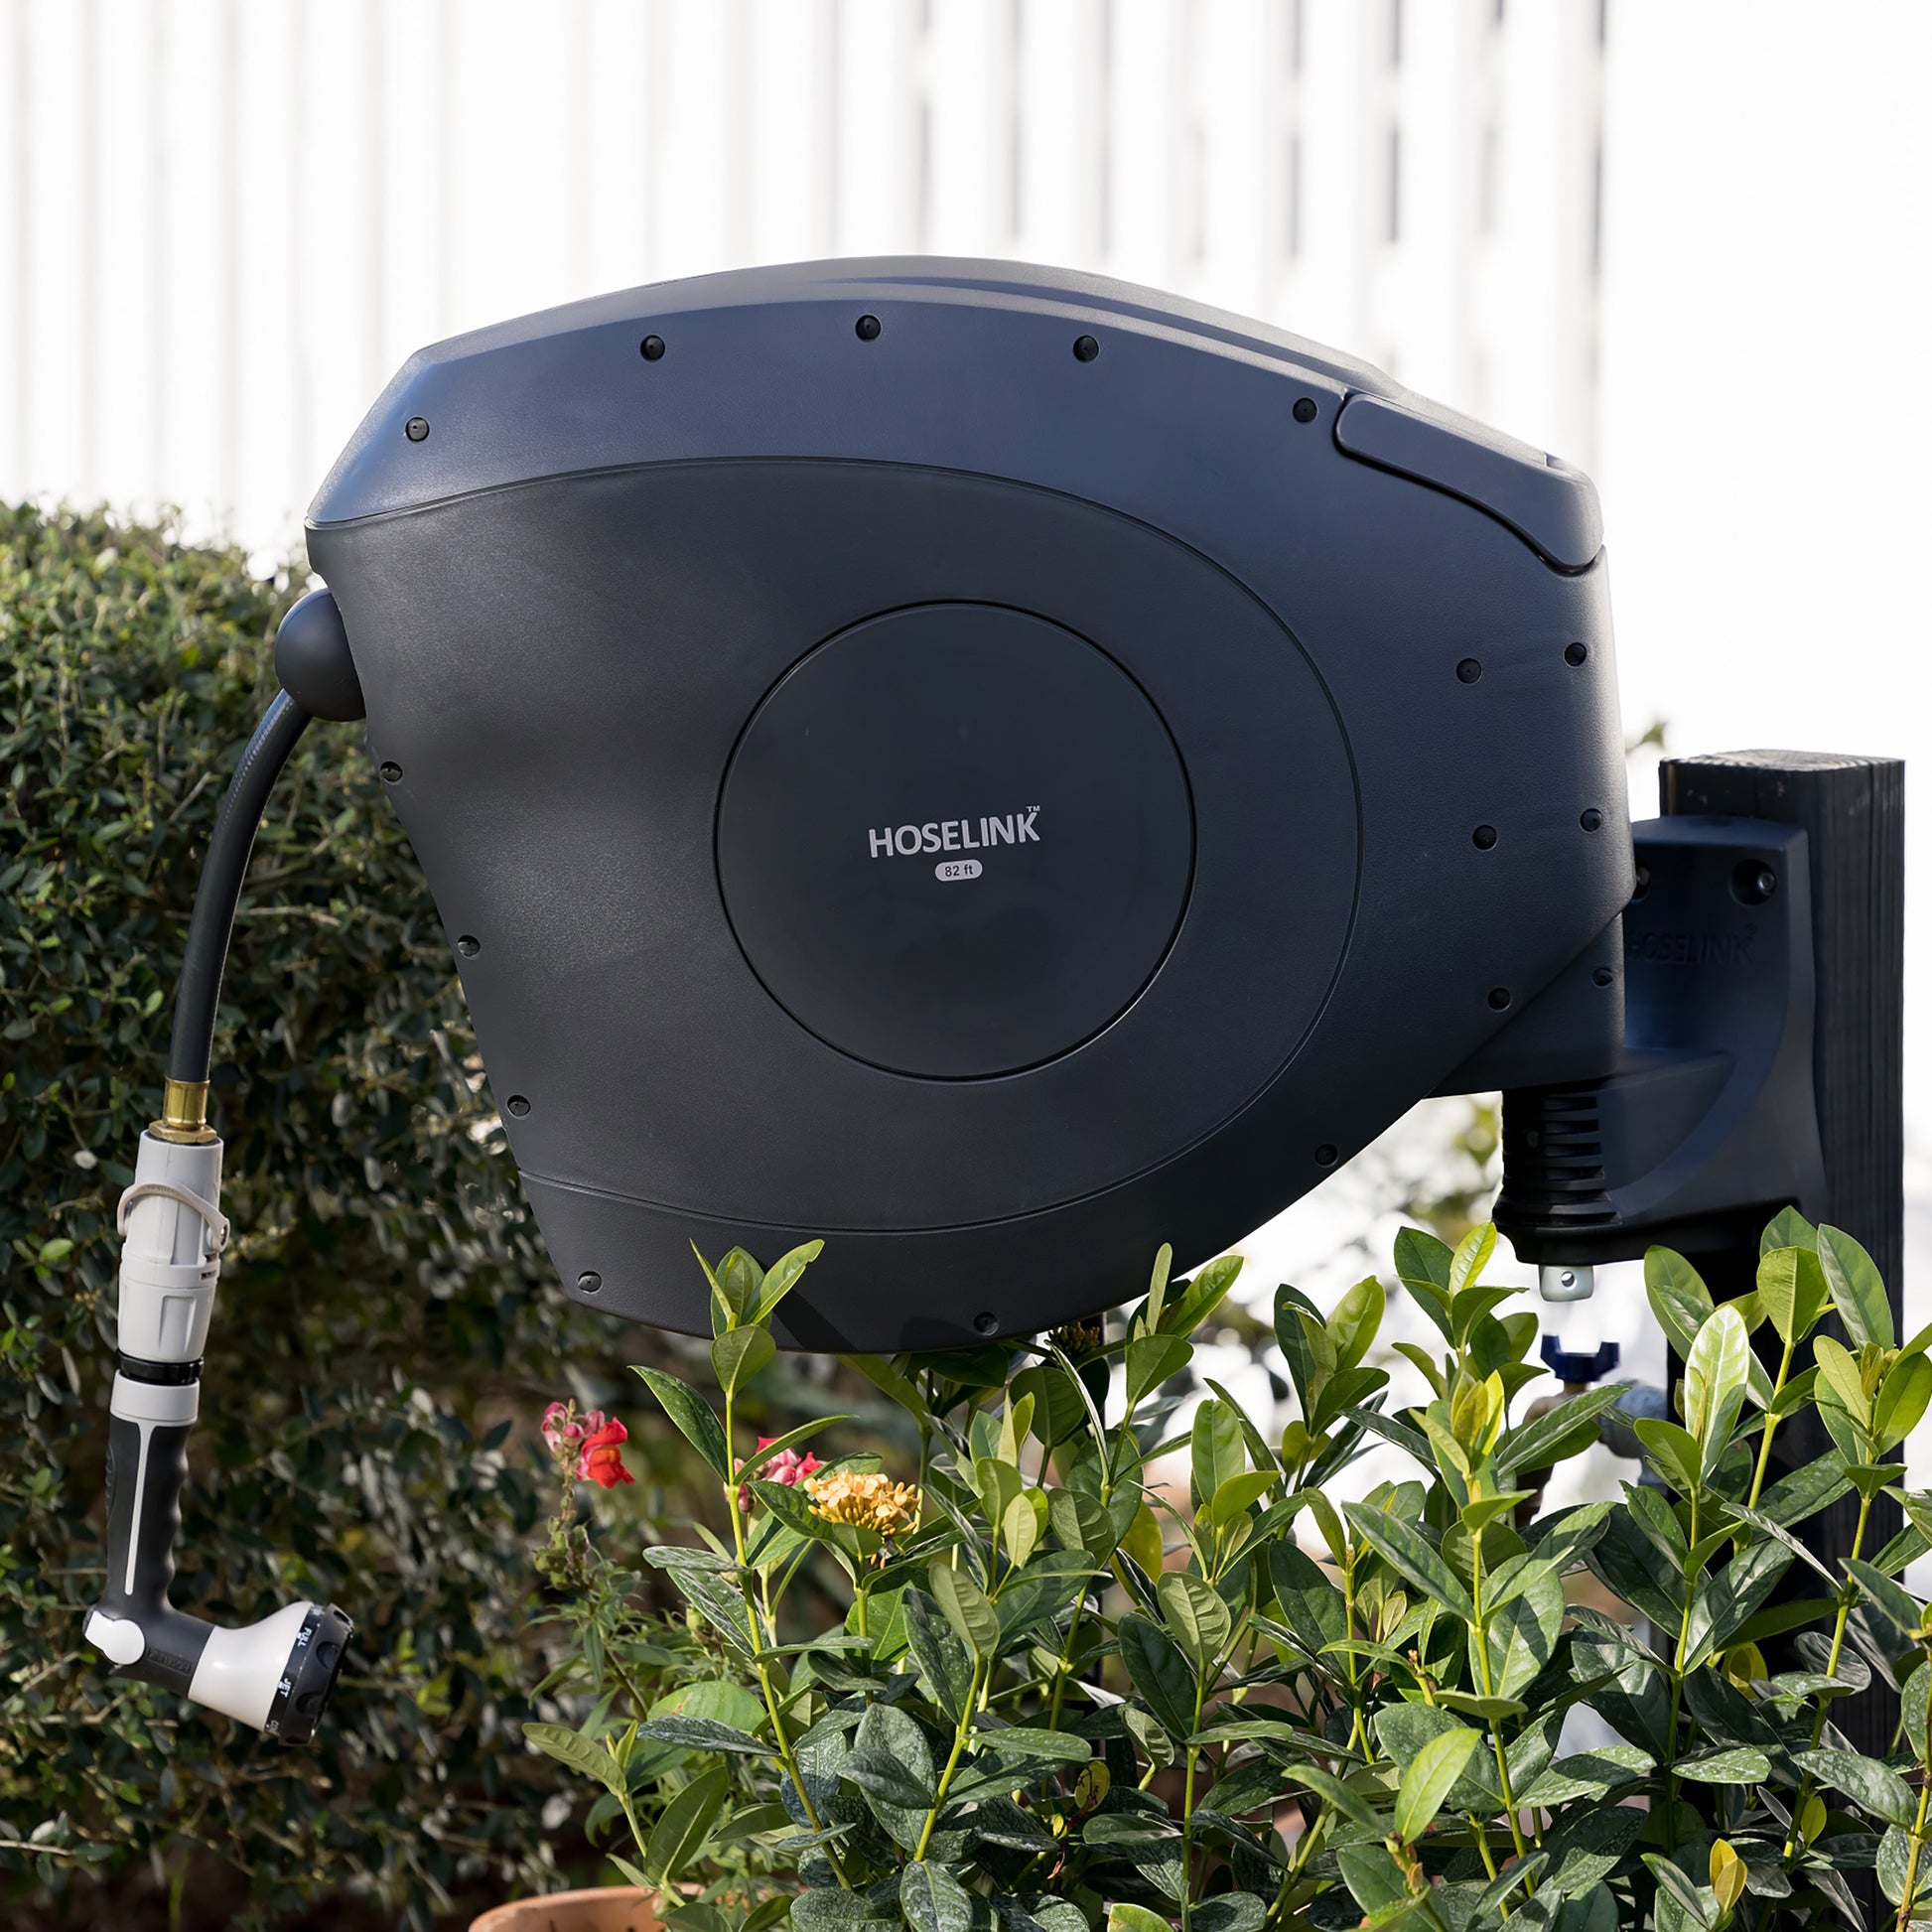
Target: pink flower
<point>788,1467</point>
<point>564,1429</point>
<point>602,1461</point>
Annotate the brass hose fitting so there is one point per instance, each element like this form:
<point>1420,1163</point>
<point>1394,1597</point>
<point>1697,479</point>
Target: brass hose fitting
<point>184,1114</point>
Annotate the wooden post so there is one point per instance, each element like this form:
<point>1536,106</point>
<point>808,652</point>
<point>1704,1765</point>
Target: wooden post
<point>1853,812</point>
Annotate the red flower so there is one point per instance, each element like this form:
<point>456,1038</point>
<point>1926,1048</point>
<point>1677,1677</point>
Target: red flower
<point>602,1459</point>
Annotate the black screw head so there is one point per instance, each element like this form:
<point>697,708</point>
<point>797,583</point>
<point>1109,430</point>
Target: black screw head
<point>589,1282</point>
<point>518,1106</point>
<point>1574,654</point>
<point>652,348</point>
<point>1326,1154</point>
<point>1304,409</point>
<point>468,945</point>
<point>1753,882</point>
<point>1483,836</point>
<point>1086,348</point>
<point>1592,820</point>
<point>867,328</point>
<point>416,428</point>
<point>1499,998</point>
<point>1468,670</point>
<point>1642,886</point>
<point>986,1322</point>
<point>389,770</point>
<point>1604,976</point>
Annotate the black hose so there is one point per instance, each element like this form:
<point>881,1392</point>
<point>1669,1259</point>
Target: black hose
<point>221,873</point>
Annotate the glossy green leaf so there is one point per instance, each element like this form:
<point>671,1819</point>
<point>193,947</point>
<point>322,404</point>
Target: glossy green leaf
<point>1674,1451</point>
<point>683,1826</point>
<point>933,1900</point>
<point>1791,1291</point>
<point>1195,1616</point>
<point>1738,1765</point>
<point>878,1774</point>
<point>1238,1494</point>
<point>1198,1298</point>
<point>1151,1361</point>
<point>1160,1673</point>
<point>740,1355</point>
<point>1892,1598</point>
<point>1726,1601</point>
<point>1351,1803</point>
<point>736,1279</point>
<point>1404,1547</point>
<point>1355,1321</point>
<point>699,1734</point>
<point>1081,1522</point>
<point>1521,1636</point>
<point>782,1276</point>
<point>1787,1228</point>
<point>1023,1523</point>
<point>1471,1257</point>
<point>1715,1375</point>
<point>567,1747</point>
<point>1902,1400</point>
<point>1837,1370</point>
<point>1374,1878</point>
<point>1867,1782</point>
<point>944,1658</point>
<point>1564,1430</point>
<point>967,1609</point>
<point>1677,1295</point>
<point>1428,1779</point>
<point>1230,1911</point>
<point>1217,1447</point>
<point>1857,1288</point>
<point>693,1416</point>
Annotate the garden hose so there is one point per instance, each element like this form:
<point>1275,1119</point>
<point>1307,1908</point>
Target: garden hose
<point>275,1675</point>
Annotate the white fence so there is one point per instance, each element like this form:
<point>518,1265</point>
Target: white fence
<point>223,223</point>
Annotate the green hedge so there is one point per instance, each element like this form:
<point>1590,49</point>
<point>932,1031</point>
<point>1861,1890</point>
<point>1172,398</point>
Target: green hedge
<point>385,1289</point>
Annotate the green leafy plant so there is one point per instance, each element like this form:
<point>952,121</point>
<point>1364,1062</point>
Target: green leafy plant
<point>1067,1691</point>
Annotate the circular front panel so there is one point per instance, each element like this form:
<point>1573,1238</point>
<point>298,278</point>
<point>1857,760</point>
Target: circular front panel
<point>955,840</point>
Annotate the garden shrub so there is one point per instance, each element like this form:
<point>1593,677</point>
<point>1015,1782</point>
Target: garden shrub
<point>386,1286</point>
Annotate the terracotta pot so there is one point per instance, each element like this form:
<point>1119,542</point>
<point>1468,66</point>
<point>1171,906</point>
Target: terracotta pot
<point>609,1908</point>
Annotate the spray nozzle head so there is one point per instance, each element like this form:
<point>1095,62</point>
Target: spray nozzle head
<point>1564,1282</point>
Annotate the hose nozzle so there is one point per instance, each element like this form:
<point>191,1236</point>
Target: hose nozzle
<point>1559,1282</point>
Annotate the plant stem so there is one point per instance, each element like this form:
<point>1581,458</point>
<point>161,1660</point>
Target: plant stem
<point>1482,1836</point>
<point>1188,1809</point>
<point>1065,1669</point>
<point>1910,1891</point>
<point>1489,1691</point>
<point>1911,1863</point>
<point>759,1642</point>
<point>1831,1670</point>
<point>961,1731</point>
<point>1676,1660</point>
<point>1771,1423</point>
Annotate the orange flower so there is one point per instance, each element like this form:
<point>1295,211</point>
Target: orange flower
<point>872,1502</point>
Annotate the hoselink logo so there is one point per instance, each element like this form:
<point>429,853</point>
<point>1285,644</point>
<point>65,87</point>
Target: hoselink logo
<point>955,835</point>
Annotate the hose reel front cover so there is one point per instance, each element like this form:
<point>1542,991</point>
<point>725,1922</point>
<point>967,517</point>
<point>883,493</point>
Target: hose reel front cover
<point>994,806</point>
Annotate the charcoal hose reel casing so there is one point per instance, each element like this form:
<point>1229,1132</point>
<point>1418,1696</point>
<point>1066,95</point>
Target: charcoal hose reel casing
<point>993,768</point>
<point>995,807</point>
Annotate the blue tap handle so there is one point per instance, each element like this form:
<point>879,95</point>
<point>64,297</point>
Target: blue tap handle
<point>1573,1371</point>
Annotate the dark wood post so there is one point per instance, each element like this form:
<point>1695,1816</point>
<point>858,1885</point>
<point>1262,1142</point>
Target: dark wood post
<point>1853,812</point>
